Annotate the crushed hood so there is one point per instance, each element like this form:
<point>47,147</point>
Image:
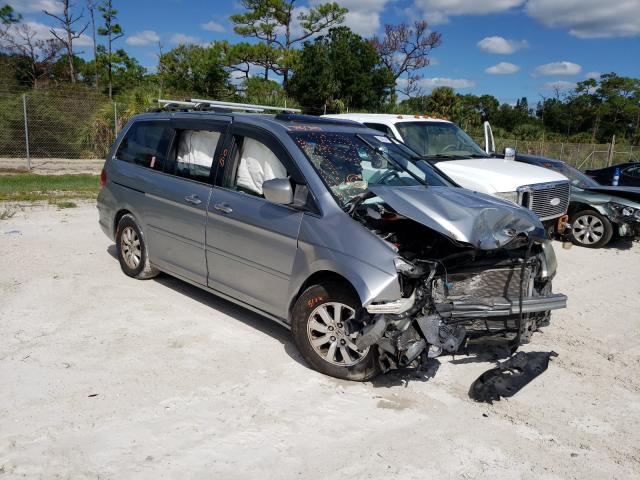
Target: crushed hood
<point>629,193</point>
<point>482,221</point>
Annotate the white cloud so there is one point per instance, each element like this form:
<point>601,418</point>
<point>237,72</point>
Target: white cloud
<point>558,68</point>
<point>503,68</point>
<point>439,11</point>
<point>500,45</point>
<point>213,27</point>
<point>595,75</point>
<point>29,6</point>
<point>182,39</point>
<point>434,82</point>
<point>143,39</point>
<point>589,18</point>
<point>559,85</point>
<point>364,15</point>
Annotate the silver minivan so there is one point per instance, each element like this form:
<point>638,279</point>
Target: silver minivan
<point>330,229</point>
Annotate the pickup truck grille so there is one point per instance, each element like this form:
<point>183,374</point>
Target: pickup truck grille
<point>547,200</point>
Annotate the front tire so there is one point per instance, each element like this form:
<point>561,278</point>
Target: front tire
<point>318,328</point>
<point>132,250</point>
<point>590,229</point>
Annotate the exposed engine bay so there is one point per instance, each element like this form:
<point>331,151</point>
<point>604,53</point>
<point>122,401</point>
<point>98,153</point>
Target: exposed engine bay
<point>454,294</point>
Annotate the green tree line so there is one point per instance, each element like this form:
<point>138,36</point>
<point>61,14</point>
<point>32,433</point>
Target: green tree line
<point>308,59</point>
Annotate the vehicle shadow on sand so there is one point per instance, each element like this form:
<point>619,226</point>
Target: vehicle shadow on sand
<point>625,243</point>
<point>429,369</point>
<point>226,307</point>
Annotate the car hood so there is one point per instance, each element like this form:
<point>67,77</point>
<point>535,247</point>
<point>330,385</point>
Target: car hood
<point>629,193</point>
<point>496,174</point>
<point>482,221</point>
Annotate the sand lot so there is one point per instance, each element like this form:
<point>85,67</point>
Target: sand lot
<point>103,376</point>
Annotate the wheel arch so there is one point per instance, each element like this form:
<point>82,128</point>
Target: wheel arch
<point>116,218</point>
<point>576,207</point>
<point>321,276</point>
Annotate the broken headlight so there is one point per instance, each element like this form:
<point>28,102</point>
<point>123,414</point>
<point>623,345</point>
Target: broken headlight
<point>508,196</point>
<point>625,210</point>
<point>409,269</point>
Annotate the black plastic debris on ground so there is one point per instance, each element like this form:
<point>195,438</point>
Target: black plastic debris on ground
<point>510,376</point>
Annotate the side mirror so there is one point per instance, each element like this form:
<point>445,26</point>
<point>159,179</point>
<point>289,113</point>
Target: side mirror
<point>509,153</point>
<point>489,141</point>
<point>278,190</point>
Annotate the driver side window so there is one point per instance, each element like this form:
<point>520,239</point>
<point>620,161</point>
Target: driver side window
<point>633,171</point>
<point>252,164</point>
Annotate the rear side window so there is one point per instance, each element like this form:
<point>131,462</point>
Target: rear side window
<point>192,156</point>
<point>146,144</point>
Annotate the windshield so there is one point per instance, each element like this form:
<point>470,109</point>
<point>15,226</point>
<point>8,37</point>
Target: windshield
<point>575,176</point>
<point>348,163</point>
<point>439,139</point>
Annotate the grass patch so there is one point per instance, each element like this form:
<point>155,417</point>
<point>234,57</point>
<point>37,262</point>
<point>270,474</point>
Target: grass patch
<point>66,204</point>
<point>55,189</point>
<point>6,213</point>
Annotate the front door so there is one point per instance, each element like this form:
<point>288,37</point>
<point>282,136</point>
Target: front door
<point>251,243</point>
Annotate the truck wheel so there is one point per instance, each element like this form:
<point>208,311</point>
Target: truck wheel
<point>318,326</point>
<point>132,251</point>
<point>590,229</point>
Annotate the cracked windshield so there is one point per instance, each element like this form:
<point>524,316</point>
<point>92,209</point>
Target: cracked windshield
<point>349,163</point>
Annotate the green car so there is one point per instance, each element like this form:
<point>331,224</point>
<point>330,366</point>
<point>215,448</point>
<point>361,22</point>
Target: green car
<point>596,212</point>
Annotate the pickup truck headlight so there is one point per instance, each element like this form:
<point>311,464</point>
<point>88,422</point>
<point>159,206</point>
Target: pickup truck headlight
<point>508,196</point>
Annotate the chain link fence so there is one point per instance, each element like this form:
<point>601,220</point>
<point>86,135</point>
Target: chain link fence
<point>40,125</point>
<point>47,124</point>
<point>583,156</point>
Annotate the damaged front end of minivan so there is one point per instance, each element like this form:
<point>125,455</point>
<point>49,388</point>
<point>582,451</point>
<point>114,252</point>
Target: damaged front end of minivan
<point>471,269</point>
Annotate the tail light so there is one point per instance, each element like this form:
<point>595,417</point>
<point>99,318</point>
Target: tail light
<point>103,178</point>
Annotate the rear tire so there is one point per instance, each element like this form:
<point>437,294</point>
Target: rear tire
<point>132,250</point>
<point>318,333</point>
<point>590,229</point>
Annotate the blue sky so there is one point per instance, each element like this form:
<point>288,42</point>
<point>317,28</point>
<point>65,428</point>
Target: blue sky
<point>532,45</point>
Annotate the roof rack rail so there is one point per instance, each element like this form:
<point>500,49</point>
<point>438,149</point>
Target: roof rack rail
<point>191,105</point>
<point>243,106</point>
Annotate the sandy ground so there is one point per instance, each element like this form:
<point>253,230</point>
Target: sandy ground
<point>102,376</point>
<point>53,166</point>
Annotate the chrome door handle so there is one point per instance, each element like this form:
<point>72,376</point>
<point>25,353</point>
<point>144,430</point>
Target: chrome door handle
<point>223,208</point>
<point>193,199</point>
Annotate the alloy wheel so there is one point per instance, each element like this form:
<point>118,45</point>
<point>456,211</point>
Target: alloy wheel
<point>588,229</point>
<point>328,337</point>
<point>130,247</point>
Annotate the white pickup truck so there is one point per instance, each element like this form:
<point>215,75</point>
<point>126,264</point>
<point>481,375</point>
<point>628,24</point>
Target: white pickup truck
<point>451,150</point>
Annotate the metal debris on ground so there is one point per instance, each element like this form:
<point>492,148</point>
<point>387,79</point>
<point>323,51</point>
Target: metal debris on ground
<point>510,376</point>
